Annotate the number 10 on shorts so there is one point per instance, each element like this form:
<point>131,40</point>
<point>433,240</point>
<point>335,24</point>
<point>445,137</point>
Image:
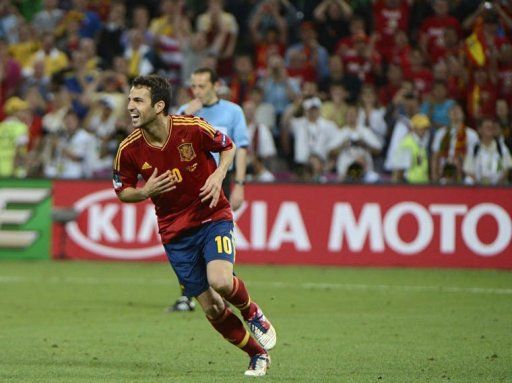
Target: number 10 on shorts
<point>224,244</point>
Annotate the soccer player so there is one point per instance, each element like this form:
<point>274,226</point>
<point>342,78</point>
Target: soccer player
<point>173,155</point>
<point>228,118</point>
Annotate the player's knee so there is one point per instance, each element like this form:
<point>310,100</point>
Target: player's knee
<point>215,310</point>
<point>222,284</point>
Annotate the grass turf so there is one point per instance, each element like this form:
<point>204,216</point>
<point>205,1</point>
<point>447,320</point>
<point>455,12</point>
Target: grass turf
<point>105,322</point>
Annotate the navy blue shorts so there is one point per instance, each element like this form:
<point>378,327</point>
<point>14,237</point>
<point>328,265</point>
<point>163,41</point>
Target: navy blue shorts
<point>190,253</point>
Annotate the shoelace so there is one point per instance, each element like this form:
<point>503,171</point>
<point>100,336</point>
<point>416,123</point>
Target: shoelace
<point>257,323</point>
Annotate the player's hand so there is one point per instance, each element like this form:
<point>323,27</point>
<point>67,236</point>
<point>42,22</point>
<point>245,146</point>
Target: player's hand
<point>193,106</point>
<point>156,185</point>
<point>211,188</point>
<point>237,197</point>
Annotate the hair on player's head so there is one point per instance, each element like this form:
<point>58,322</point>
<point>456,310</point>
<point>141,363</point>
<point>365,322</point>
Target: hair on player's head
<point>214,77</point>
<point>159,88</point>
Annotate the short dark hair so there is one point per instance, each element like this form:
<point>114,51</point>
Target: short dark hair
<point>213,75</point>
<point>159,88</point>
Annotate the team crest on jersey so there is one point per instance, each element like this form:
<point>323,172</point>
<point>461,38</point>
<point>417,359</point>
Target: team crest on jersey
<point>186,152</point>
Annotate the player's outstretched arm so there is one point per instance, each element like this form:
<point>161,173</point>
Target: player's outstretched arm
<point>154,186</point>
<point>213,185</point>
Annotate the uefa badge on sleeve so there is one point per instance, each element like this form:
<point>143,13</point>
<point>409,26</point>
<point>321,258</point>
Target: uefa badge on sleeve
<point>116,180</point>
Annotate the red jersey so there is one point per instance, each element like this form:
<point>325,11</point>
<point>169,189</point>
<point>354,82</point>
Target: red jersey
<point>433,29</point>
<point>387,22</point>
<point>187,155</point>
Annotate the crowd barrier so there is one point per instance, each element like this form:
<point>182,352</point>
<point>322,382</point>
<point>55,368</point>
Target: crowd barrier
<point>342,225</point>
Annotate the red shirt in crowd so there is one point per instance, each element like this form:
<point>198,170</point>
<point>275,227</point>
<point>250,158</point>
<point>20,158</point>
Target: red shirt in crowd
<point>387,22</point>
<point>505,81</point>
<point>432,29</point>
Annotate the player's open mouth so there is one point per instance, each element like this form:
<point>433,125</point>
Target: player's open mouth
<point>135,118</point>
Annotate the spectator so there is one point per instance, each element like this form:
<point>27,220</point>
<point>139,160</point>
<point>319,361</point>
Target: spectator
<point>401,50</point>
<point>295,109</point>
<point>262,148</point>
<point>437,106</point>
<point>60,105</point>
<point>394,81</point>
<point>331,17</point>
<point>410,161</point>
<point>166,31</point>
<point>351,83</point>
<point>10,75</point>
<point>112,86</point>
<point>74,150</point>
<point>277,87</point>
<point>335,107</point>
<point>452,46</point>
<point>195,50</point>
<point>489,162</point>
<point>221,30</point>
<point>27,44</point>
<point>265,112</point>
<point>317,57</point>
<point>14,135</point>
<point>140,21</point>
<point>371,113</point>
<point>451,145</point>
<point>138,55</point>
<point>504,122</point>
<point>483,44</point>
<point>363,61</point>
<point>299,68</point>
<point>92,61</point>
<point>10,19</point>
<point>355,144</point>
<point>68,33</point>
<point>433,29</point>
<point>505,72</point>
<point>400,111</point>
<point>54,59</point>
<point>418,73</point>
<point>390,16</point>
<point>313,136</point>
<point>275,14</point>
<point>481,95</point>
<point>48,18</point>
<point>266,22</point>
<point>270,43</point>
<point>109,39</point>
<point>90,22</point>
<point>243,79</point>
<point>457,78</point>
<point>101,121</point>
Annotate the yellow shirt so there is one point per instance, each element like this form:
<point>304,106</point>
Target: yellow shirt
<point>54,61</point>
<point>334,113</point>
<point>22,52</point>
<point>161,26</point>
<point>13,136</point>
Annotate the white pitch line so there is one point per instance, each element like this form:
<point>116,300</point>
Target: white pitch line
<point>308,285</point>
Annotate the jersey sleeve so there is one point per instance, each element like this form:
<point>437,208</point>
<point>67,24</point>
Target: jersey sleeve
<point>211,139</point>
<point>124,173</point>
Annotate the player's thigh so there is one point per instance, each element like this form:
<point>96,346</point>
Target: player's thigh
<point>220,275</point>
<point>219,254</point>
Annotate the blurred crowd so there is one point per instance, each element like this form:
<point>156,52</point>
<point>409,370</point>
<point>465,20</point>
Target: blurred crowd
<point>416,91</point>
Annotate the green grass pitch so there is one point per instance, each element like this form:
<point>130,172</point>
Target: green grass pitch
<point>105,322</point>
